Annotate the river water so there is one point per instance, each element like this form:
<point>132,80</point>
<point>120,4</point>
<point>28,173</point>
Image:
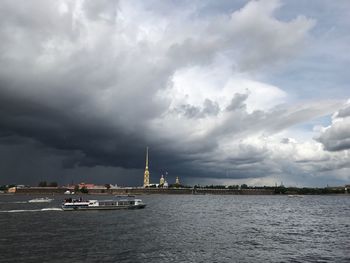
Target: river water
<point>179,228</point>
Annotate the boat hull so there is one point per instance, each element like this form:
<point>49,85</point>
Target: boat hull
<point>84,205</point>
<point>86,208</point>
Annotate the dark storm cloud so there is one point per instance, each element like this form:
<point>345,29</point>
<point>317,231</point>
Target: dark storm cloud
<point>87,84</point>
<point>97,140</point>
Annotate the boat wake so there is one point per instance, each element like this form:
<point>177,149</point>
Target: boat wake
<point>32,210</point>
<point>52,209</point>
<point>15,202</point>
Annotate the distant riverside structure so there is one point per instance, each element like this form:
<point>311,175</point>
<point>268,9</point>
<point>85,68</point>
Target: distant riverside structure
<point>165,185</point>
<point>162,180</point>
<point>12,190</point>
<point>177,180</point>
<point>146,174</point>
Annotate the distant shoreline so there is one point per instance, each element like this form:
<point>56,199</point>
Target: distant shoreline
<point>172,191</point>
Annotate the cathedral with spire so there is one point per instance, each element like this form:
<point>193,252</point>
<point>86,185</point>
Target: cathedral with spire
<point>162,181</point>
<point>146,174</point>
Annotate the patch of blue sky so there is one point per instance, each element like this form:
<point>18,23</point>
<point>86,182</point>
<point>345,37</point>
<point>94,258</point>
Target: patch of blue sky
<point>323,121</point>
<point>319,69</point>
<point>319,78</point>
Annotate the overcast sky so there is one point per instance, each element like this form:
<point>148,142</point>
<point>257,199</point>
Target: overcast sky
<point>222,92</point>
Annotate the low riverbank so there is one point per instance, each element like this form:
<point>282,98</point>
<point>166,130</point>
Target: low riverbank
<point>180,191</point>
<point>147,191</point>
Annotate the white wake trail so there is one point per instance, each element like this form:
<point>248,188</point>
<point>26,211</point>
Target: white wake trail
<point>32,210</point>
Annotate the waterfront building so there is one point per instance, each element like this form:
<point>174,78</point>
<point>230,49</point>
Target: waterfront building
<point>165,185</point>
<point>161,181</point>
<point>177,181</point>
<point>87,186</point>
<point>12,190</point>
<point>146,174</point>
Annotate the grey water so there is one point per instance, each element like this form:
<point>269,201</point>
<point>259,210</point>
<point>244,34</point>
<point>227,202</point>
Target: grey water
<point>179,228</point>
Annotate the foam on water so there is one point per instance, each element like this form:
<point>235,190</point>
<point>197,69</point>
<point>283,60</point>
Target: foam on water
<point>52,209</point>
<point>15,202</point>
<point>32,210</point>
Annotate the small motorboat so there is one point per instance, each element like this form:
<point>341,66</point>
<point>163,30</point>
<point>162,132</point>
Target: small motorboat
<point>40,200</point>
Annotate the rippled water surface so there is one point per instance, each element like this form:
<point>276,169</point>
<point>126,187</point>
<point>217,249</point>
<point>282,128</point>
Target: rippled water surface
<point>179,228</point>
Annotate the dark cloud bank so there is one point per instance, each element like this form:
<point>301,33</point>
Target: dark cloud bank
<point>79,97</point>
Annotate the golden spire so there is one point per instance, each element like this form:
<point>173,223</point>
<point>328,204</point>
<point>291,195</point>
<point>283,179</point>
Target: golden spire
<point>146,174</point>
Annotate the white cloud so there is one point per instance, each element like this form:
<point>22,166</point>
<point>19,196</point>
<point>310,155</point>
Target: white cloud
<point>195,84</point>
<point>336,137</point>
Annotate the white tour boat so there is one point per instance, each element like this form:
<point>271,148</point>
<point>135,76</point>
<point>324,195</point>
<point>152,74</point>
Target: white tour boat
<point>73,205</point>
